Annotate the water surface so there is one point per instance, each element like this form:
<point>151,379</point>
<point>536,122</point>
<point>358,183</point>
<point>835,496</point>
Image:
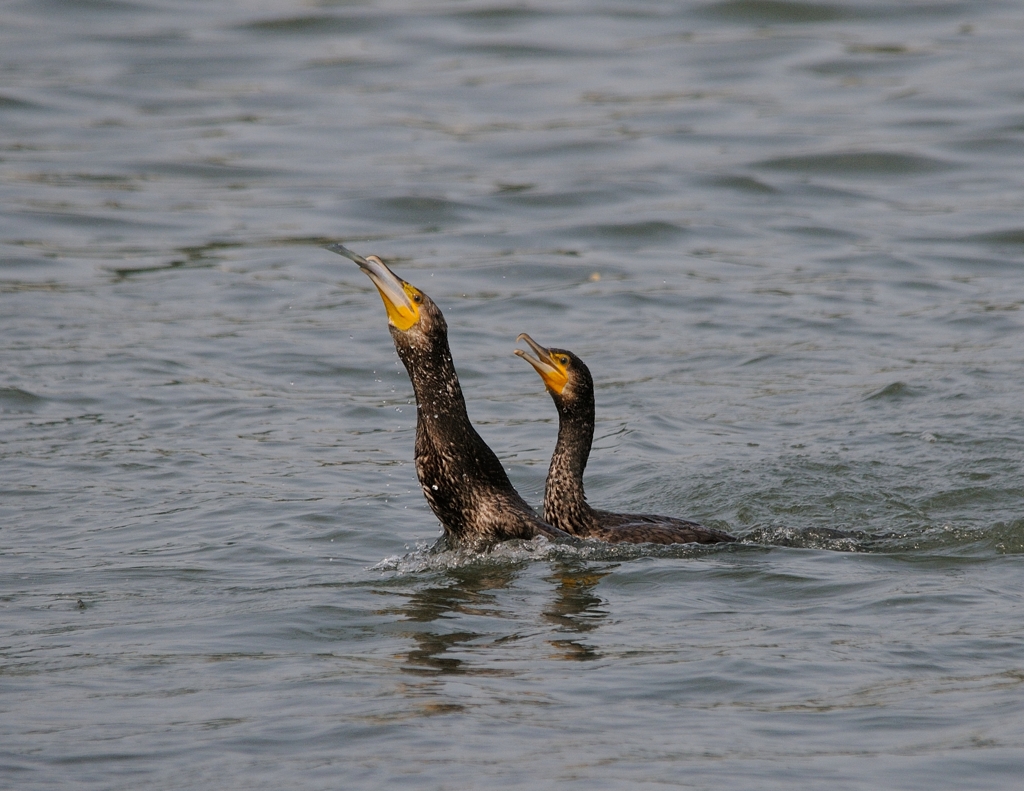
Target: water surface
<point>785,236</point>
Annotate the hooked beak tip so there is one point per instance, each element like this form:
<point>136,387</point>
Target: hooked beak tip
<point>340,249</point>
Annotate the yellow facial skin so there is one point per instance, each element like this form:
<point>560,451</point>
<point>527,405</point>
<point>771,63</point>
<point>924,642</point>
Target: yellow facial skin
<point>403,313</point>
<point>401,299</point>
<point>552,367</point>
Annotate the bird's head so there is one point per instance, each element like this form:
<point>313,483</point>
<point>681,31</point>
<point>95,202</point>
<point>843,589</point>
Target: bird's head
<point>565,375</point>
<point>412,316</point>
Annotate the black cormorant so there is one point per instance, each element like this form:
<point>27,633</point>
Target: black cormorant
<point>462,479</point>
<point>571,386</point>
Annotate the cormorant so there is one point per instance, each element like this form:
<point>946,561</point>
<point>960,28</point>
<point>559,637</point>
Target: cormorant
<point>571,386</point>
<point>462,479</point>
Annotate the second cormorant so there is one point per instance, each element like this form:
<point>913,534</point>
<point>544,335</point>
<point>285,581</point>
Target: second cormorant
<point>462,479</point>
<point>571,386</point>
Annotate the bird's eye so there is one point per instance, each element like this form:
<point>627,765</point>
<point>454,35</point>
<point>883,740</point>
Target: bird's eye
<point>417,298</point>
<point>563,360</point>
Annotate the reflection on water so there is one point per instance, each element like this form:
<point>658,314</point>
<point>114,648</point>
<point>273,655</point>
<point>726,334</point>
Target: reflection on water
<point>469,591</point>
<point>576,609</point>
<point>470,594</point>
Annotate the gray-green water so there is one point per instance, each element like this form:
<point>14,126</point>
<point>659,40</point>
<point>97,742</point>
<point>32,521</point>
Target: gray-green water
<point>787,237</point>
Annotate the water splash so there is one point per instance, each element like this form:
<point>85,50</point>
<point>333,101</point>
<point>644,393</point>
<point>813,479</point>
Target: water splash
<point>438,557</point>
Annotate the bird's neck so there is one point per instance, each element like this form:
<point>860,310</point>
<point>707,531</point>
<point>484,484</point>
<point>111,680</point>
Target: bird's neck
<point>564,499</point>
<point>439,400</point>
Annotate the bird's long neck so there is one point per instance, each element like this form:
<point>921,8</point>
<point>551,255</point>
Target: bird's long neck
<point>440,405</point>
<point>443,429</point>
<point>461,477</point>
<point>565,503</point>
<point>439,398</point>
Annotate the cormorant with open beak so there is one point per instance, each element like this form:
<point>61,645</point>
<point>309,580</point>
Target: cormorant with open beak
<point>571,386</point>
<point>462,479</point>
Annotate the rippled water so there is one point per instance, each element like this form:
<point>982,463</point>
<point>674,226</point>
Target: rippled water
<point>787,238</point>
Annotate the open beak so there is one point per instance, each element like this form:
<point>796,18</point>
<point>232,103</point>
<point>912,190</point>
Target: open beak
<point>402,311</point>
<point>550,370</point>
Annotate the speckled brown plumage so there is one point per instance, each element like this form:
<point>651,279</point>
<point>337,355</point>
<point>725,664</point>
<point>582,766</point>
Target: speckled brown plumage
<point>571,387</point>
<point>461,477</point>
